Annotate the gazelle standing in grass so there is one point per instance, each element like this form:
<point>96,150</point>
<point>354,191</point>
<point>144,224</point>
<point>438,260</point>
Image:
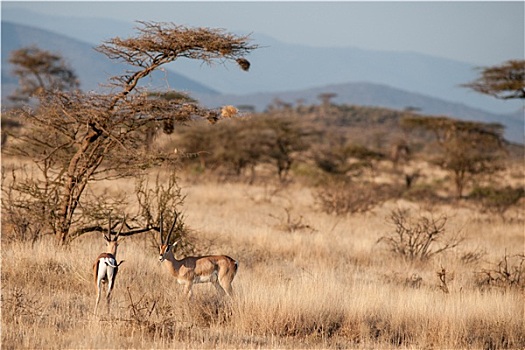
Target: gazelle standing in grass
<point>216,269</point>
<point>105,267</point>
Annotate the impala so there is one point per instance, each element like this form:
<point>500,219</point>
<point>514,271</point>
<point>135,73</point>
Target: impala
<point>105,267</point>
<point>216,269</point>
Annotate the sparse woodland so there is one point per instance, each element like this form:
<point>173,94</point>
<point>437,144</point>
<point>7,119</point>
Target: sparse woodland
<point>354,227</point>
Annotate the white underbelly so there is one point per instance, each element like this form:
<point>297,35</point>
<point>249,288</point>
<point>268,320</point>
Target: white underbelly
<point>205,278</point>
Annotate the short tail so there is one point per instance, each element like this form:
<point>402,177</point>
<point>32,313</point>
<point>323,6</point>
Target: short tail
<point>114,266</point>
<point>236,266</point>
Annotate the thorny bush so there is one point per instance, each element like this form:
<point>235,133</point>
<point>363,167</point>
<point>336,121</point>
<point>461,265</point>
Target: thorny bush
<point>419,238</point>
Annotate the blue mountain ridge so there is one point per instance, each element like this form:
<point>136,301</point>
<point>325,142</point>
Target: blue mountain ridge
<point>278,66</point>
<point>95,69</point>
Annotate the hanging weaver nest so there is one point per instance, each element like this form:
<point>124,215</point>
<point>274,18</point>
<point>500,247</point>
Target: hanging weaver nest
<point>243,63</point>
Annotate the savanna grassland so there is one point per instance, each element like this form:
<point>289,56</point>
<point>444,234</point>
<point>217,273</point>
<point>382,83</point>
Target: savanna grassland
<point>306,279</point>
<point>354,227</point>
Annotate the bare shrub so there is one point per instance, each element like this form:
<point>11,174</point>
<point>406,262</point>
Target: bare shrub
<point>509,272</point>
<point>419,238</point>
<point>291,223</point>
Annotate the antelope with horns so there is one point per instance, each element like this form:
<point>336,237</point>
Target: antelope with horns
<point>216,269</point>
<point>105,267</point>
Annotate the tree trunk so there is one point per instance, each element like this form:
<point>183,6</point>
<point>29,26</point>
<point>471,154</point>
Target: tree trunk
<point>459,178</point>
<point>76,182</point>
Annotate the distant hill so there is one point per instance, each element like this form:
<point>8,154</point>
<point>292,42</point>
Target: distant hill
<point>279,67</point>
<point>377,95</point>
<point>92,67</point>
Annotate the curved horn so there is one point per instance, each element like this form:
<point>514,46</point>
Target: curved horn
<point>121,227</point>
<point>107,236</point>
<point>175,216</point>
<point>161,225</point>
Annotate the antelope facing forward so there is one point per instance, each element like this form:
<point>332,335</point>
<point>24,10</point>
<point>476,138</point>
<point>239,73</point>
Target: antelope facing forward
<point>216,269</point>
<point>105,267</point>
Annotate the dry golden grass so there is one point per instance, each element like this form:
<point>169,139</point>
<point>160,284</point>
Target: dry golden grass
<point>332,286</point>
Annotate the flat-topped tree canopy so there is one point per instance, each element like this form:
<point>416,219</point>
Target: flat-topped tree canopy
<point>506,81</point>
<point>159,43</point>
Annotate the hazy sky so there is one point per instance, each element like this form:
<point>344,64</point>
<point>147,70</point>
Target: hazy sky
<point>478,32</point>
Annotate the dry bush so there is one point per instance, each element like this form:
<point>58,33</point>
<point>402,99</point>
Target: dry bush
<point>291,223</point>
<point>418,238</point>
<point>509,272</point>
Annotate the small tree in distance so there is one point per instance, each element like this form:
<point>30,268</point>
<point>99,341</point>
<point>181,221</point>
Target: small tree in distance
<point>76,138</point>
<point>38,71</point>
<point>506,81</point>
<point>466,148</point>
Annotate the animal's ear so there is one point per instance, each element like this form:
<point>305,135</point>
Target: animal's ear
<point>175,243</point>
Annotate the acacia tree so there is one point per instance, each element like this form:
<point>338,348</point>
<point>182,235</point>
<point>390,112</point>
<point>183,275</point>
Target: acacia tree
<point>506,81</point>
<point>39,70</point>
<point>465,148</point>
<point>76,138</point>
<point>242,144</point>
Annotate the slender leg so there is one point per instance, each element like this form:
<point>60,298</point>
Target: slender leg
<point>101,274</point>
<point>227,288</point>
<point>112,274</point>
<point>187,290</point>
<point>219,288</point>
<point>99,290</point>
<point>226,283</point>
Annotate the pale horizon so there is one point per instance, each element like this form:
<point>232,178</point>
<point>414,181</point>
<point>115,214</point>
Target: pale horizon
<point>477,32</point>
